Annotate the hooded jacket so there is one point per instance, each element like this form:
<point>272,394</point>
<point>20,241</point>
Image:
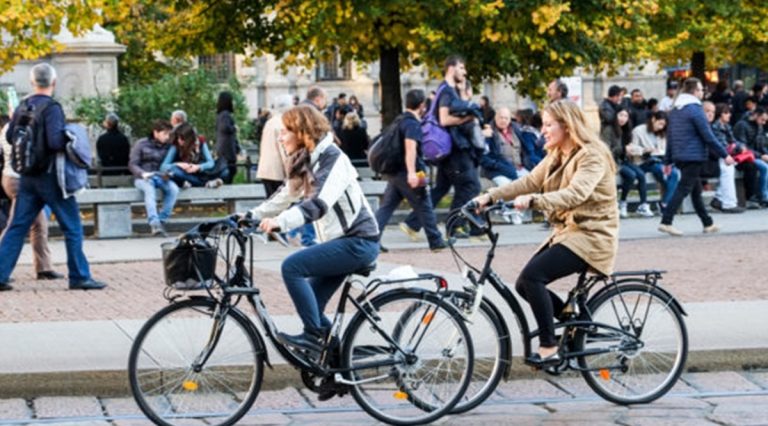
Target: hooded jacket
<point>689,136</point>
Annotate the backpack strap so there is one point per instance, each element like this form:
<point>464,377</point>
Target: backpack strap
<point>433,106</point>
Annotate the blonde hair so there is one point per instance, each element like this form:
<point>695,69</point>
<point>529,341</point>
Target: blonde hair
<point>307,123</point>
<point>571,119</point>
<point>351,120</point>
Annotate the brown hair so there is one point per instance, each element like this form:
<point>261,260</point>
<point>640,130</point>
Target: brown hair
<point>187,134</point>
<point>571,119</point>
<point>307,123</point>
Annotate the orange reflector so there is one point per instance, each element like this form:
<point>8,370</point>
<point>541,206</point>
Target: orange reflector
<point>605,374</point>
<point>189,385</point>
<point>428,318</point>
<point>400,395</point>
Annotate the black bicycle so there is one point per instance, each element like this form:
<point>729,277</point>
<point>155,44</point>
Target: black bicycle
<point>624,333</point>
<point>201,357</point>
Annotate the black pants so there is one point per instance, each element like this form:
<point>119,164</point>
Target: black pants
<point>690,183</point>
<point>546,266</point>
<point>458,171</point>
<point>419,200</point>
<point>232,172</point>
<point>271,186</point>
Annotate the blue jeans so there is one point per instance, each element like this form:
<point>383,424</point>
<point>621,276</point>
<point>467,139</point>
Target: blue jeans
<point>34,193</point>
<point>762,179</point>
<point>459,171</point>
<point>195,179</point>
<point>629,174</point>
<point>307,233</point>
<point>419,200</point>
<point>313,274</point>
<point>668,183</point>
<point>170,192</point>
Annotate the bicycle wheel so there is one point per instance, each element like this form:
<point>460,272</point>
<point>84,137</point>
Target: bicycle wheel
<point>493,351</point>
<point>647,361</point>
<point>428,377</point>
<point>172,380</point>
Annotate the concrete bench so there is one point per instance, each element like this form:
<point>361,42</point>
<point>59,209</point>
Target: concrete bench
<point>112,206</point>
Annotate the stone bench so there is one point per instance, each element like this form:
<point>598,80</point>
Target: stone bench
<point>112,206</point>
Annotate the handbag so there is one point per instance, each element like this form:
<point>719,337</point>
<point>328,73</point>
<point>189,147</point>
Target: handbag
<point>740,153</point>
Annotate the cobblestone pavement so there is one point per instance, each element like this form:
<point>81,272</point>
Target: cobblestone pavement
<point>722,398</point>
<point>711,268</point>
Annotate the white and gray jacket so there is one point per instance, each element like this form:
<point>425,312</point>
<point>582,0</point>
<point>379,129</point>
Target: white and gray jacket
<point>337,208</point>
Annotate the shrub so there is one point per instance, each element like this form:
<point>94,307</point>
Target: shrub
<point>138,104</point>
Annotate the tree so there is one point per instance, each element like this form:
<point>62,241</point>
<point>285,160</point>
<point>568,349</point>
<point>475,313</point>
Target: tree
<point>26,26</point>
<point>529,41</point>
<point>711,33</point>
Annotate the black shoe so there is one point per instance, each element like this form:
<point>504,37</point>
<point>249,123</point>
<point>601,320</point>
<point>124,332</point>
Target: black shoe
<point>537,361</point>
<point>329,388</point>
<point>89,284</point>
<point>49,275</point>
<point>383,249</point>
<point>440,246</point>
<point>308,340</point>
<point>5,287</point>
<point>716,204</point>
<point>733,210</point>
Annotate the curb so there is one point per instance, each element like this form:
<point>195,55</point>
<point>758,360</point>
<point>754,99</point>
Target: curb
<point>115,383</point>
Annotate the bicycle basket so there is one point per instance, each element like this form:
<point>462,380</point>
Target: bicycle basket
<point>188,262</point>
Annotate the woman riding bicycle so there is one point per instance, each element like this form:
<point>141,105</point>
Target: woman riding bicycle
<point>323,185</point>
<point>575,185</point>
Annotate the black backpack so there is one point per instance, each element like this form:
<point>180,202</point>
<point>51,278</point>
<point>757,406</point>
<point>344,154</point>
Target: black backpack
<point>29,153</point>
<point>385,155</point>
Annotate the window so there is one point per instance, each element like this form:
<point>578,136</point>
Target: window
<point>222,66</point>
<point>333,69</point>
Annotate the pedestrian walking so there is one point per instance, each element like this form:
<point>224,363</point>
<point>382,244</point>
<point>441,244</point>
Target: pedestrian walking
<point>227,145</point>
<point>272,158</point>
<point>39,186</point>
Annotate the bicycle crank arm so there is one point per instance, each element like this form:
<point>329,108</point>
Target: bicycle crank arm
<point>338,378</point>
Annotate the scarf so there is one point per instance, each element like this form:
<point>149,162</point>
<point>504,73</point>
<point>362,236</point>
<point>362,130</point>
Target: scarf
<point>300,172</point>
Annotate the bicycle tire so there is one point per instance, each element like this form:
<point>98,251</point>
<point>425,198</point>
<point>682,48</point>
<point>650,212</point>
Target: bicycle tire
<point>441,339</point>
<point>492,349</point>
<point>222,391</point>
<point>634,375</point>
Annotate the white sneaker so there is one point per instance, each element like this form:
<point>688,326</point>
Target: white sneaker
<point>623,209</point>
<point>215,183</point>
<point>644,210</point>
<point>671,230</point>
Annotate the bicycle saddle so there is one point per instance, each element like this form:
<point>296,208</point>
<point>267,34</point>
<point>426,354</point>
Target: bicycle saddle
<point>365,270</point>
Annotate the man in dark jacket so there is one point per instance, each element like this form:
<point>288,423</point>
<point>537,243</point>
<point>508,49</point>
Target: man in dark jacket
<point>113,147</point>
<point>459,169</point>
<point>638,109</point>
<point>39,189</point>
<point>751,130</point>
<point>609,106</point>
<point>689,142</point>
<point>410,181</point>
<point>146,157</point>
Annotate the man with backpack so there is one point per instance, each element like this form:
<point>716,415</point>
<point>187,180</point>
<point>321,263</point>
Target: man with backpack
<point>459,168</point>
<point>37,133</point>
<point>406,177</point>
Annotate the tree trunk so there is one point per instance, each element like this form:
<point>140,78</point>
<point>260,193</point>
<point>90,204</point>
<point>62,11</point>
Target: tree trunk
<point>699,66</point>
<point>389,77</point>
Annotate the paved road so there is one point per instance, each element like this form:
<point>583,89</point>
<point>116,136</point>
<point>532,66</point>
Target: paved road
<point>722,398</point>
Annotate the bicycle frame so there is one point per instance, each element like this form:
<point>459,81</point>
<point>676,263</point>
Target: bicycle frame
<point>578,296</point>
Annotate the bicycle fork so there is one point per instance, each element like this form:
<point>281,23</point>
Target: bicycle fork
<point>218,325</point>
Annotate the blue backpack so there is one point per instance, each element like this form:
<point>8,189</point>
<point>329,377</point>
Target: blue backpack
<point>72,164</point>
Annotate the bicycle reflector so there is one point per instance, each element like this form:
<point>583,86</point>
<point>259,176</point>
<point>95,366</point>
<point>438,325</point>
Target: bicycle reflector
<point>428,318</point>
<point>605,374</point>
<point>189,385</point>
<point>443,283</point>
<point>400,395</point>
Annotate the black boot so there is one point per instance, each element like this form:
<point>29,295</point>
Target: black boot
<point>311,339</point>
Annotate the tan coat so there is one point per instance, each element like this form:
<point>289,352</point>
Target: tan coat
<point>272,158</point>
<point>579,197</point>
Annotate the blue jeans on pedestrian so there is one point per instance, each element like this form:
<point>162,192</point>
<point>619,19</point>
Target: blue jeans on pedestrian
<point>762,179</point>
<point>419,200</point>
<point>459,171</point>
<point>313,274</point>
<point>149,188</point>
<point>195,179</point>
<point>34,193</point>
